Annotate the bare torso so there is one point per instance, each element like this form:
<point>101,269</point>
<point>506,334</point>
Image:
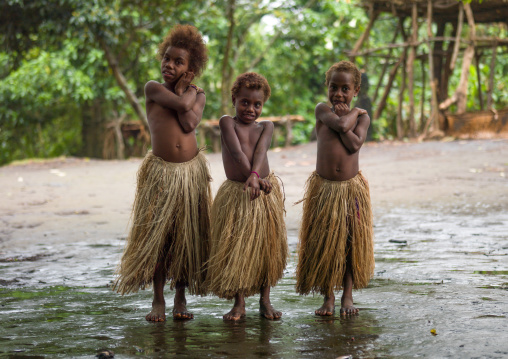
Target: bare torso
<point>248,137</point>
<point>334,161</point>
<point>169,141</point>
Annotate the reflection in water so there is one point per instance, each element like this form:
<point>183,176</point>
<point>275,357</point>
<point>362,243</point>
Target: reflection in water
<point>450,269</point>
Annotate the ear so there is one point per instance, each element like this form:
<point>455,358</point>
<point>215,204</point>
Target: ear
<point>233,99</point>
<point>357,90</point>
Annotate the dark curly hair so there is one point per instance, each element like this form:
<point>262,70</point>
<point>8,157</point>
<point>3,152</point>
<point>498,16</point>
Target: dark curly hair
<point>345,66</point>
<point>252,80</point>
<point>186,37</point>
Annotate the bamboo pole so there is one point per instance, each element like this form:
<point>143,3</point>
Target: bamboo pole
<point>398,121</point>
<point>422,99</point>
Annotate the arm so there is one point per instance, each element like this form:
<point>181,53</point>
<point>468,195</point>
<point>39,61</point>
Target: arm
<point>260,154</point>
<point>342,120</point>
<point>232,144</point>
<point>189,120</point>
<point>354,139</point>
<point>157,93</point>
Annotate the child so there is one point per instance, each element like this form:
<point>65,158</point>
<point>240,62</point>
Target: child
<point>336,238</point>
<point>248,242</point>
<point>168,240</point>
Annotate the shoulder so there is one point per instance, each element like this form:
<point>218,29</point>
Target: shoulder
<point>226,120</point>
<point>266,124</point>
<point>152,84</point>
<point>321,107</point>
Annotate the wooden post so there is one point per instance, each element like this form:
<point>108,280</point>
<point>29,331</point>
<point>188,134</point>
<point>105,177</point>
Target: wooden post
<point>466,62</point>
<point>289,131</point>
<point>410,71</point>
<point>491,75</point>
<point>432,120</point>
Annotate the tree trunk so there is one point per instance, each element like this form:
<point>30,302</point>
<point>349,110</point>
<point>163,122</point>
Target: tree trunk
<point>372,18</point>
<point>466,62</point>
<point>122,82</point>
<point>399,119</point>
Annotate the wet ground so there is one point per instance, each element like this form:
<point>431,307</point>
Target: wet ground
<point>440,288</point>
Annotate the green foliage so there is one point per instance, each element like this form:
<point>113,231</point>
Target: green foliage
<point>54,70</point>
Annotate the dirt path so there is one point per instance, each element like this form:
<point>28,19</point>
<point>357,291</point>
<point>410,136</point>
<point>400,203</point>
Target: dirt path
<point>78,199</point>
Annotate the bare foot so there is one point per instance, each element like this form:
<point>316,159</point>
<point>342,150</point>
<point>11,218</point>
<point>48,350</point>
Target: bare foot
<point>328,307</point>
<point>180,304</point>
<point>267,311</point>
<point>158,313</point>
<point>347,307</point>
<point>235,314</point>
<point>180,312</point>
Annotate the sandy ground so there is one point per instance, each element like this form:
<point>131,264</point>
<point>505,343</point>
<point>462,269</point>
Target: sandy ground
<point>71,199</point>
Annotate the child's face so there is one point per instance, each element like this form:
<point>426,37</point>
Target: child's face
<point>248,104</point>
<point>341,88</point>
<point>174,64</point>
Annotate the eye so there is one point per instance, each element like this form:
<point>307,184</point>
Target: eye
<point>333,87</point>
<point>258,104</point>
<point>345,89</point>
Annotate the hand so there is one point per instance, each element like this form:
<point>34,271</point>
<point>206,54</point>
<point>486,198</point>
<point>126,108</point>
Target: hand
<point>361,111</point>
<point>253,183</point>
<point>265,185</point>
<point>341,109</point>
<point>183,82</point>
<point>199,90</point>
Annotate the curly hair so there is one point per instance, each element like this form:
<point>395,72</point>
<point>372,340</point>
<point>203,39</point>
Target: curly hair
<point>186,37</point>
<point>254,81</point>
<point>345,66</point>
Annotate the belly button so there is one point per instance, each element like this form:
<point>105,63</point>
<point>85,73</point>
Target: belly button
<point>178,146</point>
<point>337,169</point>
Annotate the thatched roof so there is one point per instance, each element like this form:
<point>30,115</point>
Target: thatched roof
<point>486,11</point>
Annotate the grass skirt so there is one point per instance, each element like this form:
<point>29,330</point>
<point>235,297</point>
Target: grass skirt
<point>337,219</point>
<point>248,241</point>
<point>170,225</point>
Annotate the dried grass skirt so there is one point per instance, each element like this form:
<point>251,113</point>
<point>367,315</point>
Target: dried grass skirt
<point>248,241</point>
<point>170,225</point>
<point>337,219</point>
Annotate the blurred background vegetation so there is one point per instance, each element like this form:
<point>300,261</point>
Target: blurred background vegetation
<point>71,69</point>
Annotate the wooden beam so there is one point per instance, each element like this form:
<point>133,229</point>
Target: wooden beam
<point>382,102</point>
<point>385,67</point>
<point>432,121</point>
<point>466,62</point>
<point>479,78</point>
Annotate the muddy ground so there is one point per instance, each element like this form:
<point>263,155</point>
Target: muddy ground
<point>441,224</point>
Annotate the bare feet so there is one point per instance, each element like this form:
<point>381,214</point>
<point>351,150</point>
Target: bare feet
<point>347,307</point>
<point>158,313</point>
<point>180,312</point>
<point>235,314</point>
<point>238,311</point>
<point>267,311</point>
<point>180,304</point>
<point>328,307</point>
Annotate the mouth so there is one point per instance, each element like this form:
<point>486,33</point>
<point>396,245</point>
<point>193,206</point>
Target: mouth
<point>167,74</point>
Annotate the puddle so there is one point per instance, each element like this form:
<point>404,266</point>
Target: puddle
<point>445,277</point>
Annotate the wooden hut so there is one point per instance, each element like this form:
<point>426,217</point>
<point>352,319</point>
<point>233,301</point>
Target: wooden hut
<point>441,55</point>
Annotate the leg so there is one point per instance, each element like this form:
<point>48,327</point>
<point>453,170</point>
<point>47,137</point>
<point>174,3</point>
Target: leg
<point>238,310</point>
<point>328,307</point>
<point>346,302</point>
<point>158,313</point>
<point>265,307</point>
<point>180,303</point>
